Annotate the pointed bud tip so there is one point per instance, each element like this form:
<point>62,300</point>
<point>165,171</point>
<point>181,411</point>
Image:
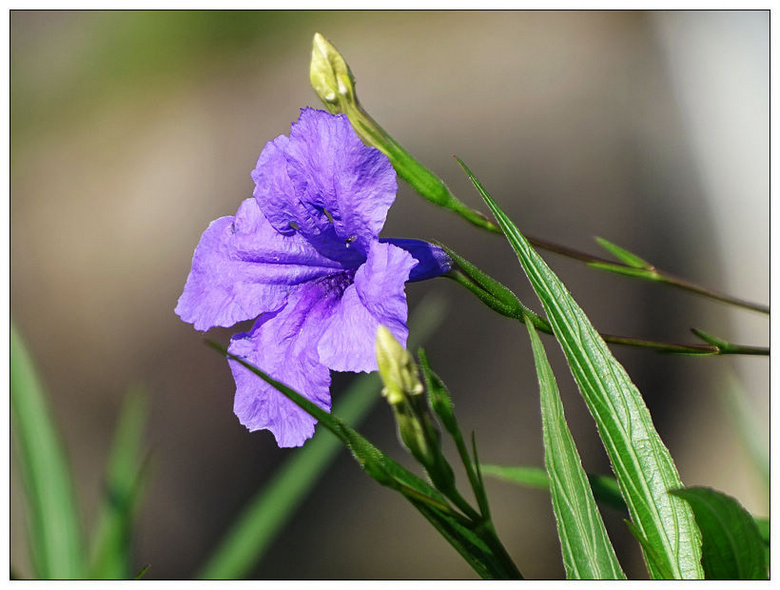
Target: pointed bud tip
<point>390,359</point>
<point>321,44</point>
<point>385,341</point>
<point>396,367</point>
<point>330,75</point>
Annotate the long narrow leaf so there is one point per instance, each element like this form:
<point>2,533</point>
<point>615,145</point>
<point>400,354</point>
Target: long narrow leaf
<point>605,488</point>
<point>53,521</point>
<point>587,551</point>
<point>265,516</point>
<point>642,464</point>
<point>441,403</point>
<point>745,421</point>
<point>624,255</point>
<point>121,496</point>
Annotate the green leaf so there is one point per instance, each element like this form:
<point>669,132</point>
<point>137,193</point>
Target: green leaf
<point>763,529</point>
<point>121,497</point>
<point>55,540</point>
<point>587,551</point>
<point>732,548</point>
<point>628,271</point>
<point>534,477</point>
<point>605,488</point>
<point>624,255</point>
<point>642,464</point>
<point>653,558</point>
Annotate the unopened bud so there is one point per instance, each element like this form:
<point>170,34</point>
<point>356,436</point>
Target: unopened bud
<point>330,76</point>
<point>397,368</point>
<point>403,389</point>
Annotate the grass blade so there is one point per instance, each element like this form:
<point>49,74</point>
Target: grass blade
<point>53,521</point>
<point>745,421</point>
<point>642,464</point>
<point>587,551</point>
<point>123,482</point>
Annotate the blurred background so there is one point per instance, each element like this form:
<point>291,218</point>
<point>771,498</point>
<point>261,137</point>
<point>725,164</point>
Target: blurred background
<point>131,131</point>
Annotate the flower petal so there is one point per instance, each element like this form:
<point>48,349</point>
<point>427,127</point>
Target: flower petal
<point>376,297</point>
<point>327,182</point>
<point>243,267</point>
<point>284,345</point>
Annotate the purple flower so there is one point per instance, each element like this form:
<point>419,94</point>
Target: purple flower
<point>304,255</point>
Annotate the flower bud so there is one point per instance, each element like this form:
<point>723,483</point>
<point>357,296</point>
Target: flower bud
<point>330,76</point>
<point>403,389</point>
<point>397,369</point>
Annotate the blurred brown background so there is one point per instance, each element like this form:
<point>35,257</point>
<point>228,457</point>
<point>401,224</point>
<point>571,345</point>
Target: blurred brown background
<point>131,131</point>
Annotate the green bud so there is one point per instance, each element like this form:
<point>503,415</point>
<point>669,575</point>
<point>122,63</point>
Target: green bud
<point>330,76</point>
<point>334,83</point>
<point>397,368</point>
<point>404,390</point>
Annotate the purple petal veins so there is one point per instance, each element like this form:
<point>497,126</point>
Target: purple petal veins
<point>303,257</point>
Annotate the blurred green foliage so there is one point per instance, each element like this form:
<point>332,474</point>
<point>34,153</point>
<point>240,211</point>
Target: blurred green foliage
<point>111,53</point>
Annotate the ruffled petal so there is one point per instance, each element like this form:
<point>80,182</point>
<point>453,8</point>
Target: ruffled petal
<point>283,344</point>
<point>376,297</point>
<point>276,195</point>
<point>325,182</point>
<point>243,267</point>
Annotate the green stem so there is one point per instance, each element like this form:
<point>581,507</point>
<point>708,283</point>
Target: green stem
<point>487,532</point>
<point>418,176</point>
<point>722,297</point>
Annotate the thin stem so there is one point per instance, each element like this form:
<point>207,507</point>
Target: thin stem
<point>483,526</point>
<point>663,346</point>
<point>717,296</point>
<point>461,503</point>
<point>655,275</point>
<point>472,475</point>
<point>566,251</point>
<point>498,547</point>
